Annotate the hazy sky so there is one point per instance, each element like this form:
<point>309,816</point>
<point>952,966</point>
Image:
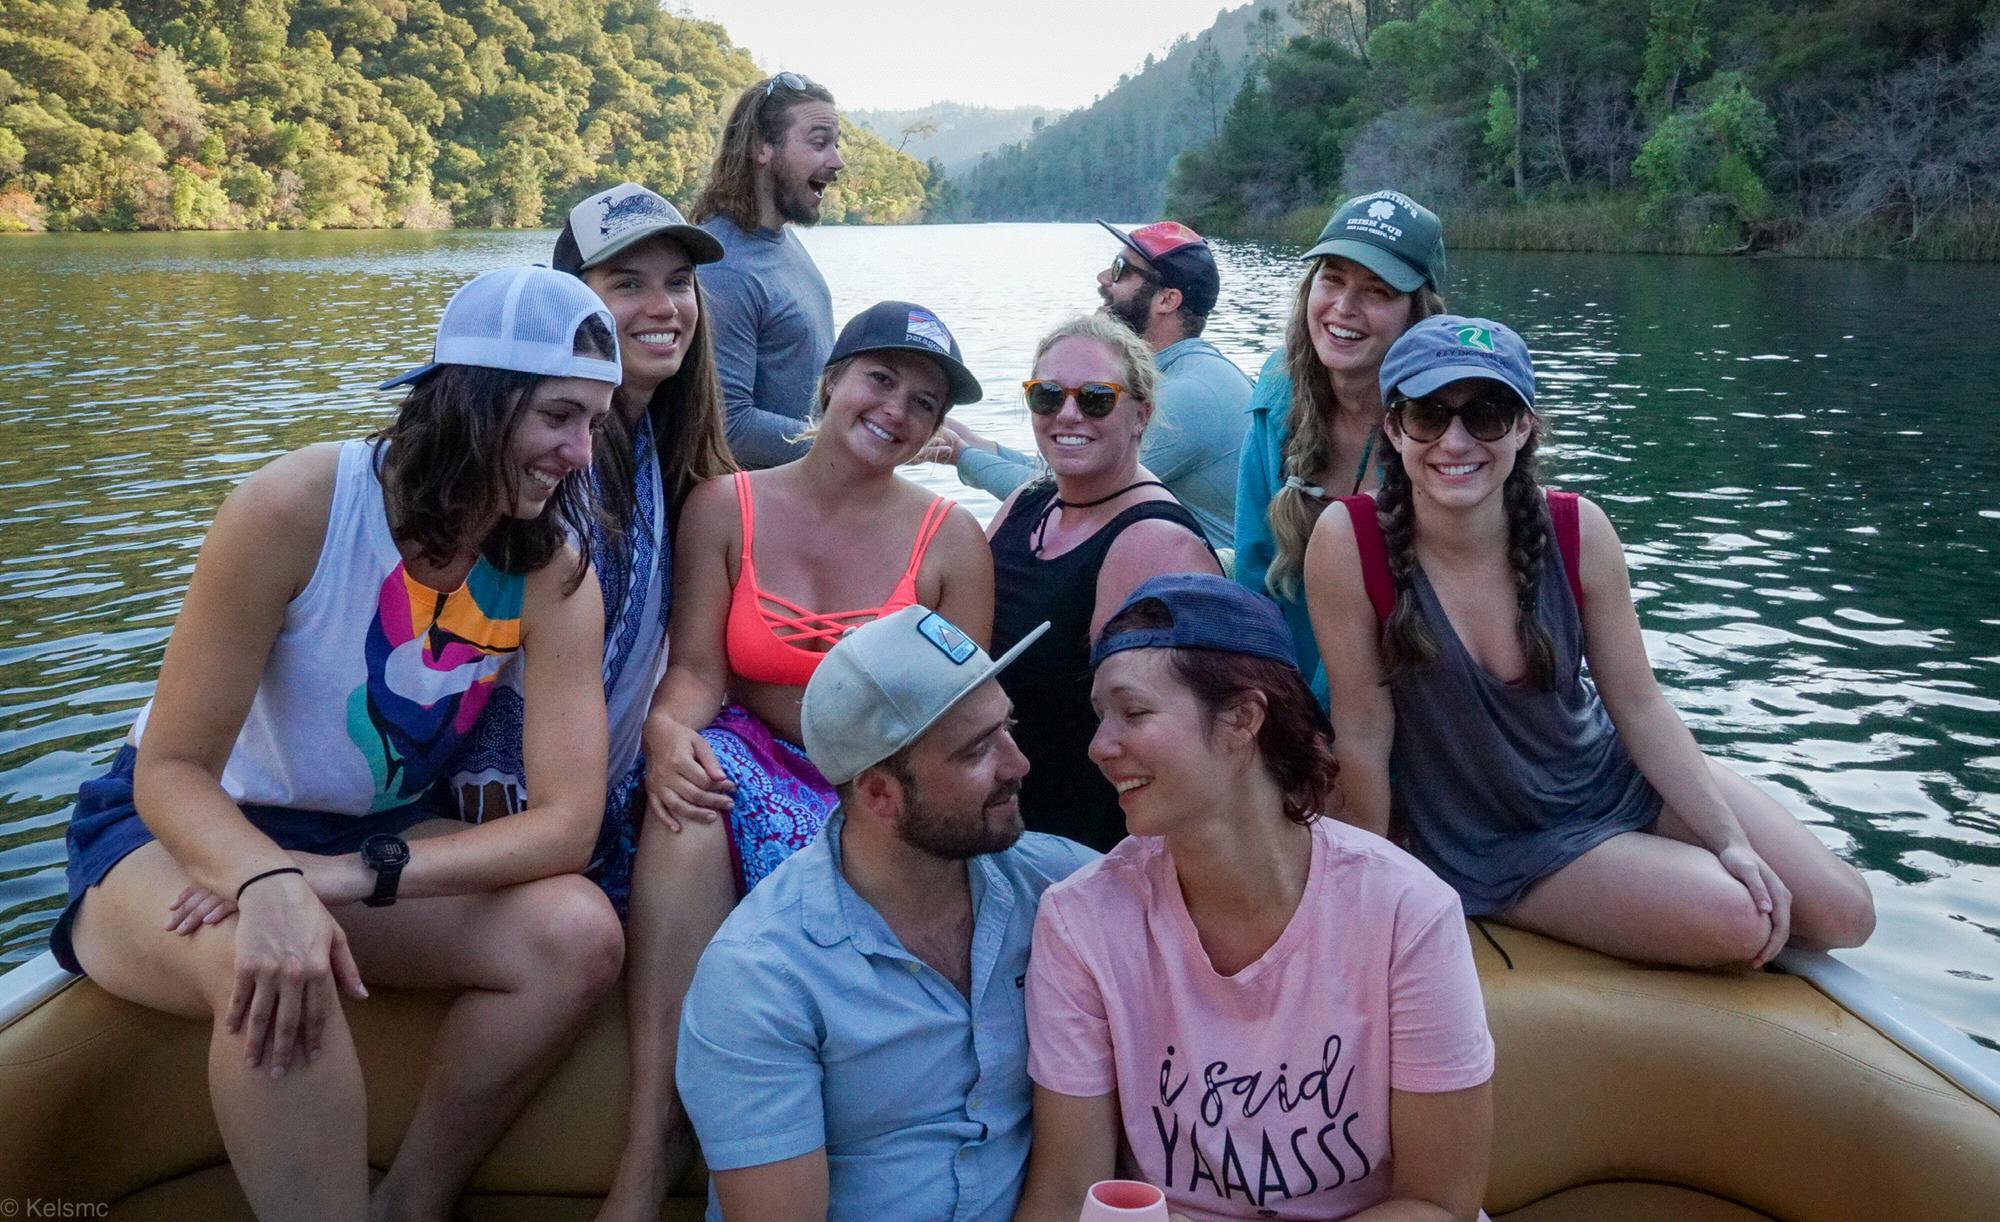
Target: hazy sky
<point>898,54</point>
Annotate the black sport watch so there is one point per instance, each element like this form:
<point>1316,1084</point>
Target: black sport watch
<point>386,855</point>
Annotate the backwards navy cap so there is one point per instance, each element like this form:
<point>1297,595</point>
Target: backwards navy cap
<point>1208,612</point>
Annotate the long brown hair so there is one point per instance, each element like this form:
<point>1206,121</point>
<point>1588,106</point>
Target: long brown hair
<point>1309,435</point>
<point>444,467</point>
<point>686,416</point>
<point>759,116</point>
<point>1407,643</point>
<point>1295,740</point>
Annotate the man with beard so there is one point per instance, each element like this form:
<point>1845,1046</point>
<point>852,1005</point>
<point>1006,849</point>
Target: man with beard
<point>854,1044</point>
<point>1162,285</point>
<point>769,308</point>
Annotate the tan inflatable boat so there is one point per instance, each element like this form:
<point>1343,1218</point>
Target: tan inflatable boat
<point>1623,1093</point>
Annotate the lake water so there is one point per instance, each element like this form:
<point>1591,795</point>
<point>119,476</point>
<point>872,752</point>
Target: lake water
<point>1808,494</point>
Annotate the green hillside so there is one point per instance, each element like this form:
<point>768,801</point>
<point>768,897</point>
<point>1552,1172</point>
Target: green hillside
<point>1837,127</point>
<point>231,114</point>
<point>1112,158</point>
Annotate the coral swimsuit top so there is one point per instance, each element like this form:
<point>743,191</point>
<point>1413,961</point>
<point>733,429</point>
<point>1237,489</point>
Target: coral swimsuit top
<point>767,634</point>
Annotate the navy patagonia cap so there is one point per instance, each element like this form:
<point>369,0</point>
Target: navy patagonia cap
<point>901,326</point>
<point>1447,348</point>
<point>1208,612</point>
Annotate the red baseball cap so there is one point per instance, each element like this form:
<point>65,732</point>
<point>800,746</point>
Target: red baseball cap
<point>1180,256</point>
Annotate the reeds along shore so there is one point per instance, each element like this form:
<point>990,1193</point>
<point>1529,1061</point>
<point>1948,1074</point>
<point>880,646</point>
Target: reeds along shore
<point>1623,225</point>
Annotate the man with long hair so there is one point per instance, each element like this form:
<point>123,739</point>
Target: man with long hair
<point>772,313</point>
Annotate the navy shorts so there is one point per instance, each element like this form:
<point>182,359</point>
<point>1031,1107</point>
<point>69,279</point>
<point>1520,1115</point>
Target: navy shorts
<point>105,827</point>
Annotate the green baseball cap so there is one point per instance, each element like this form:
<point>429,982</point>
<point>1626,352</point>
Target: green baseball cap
<point>1391,235</point>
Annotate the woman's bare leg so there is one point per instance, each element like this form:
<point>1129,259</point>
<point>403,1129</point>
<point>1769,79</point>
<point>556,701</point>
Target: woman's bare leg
<point>298,1142</point>
<point>533,960</point>
<point>1663,899</point>
<point>1831,906</point>
<point>682,888</point>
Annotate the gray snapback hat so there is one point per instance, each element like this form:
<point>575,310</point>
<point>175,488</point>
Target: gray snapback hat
<point>883,684</point>
<point>609,221</point>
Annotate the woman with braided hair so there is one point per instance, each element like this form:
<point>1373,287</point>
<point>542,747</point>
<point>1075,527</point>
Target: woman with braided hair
<point>1315,428</point>
<point>1456,610</point>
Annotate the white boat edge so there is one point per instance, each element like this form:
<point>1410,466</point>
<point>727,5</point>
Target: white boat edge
<point>1952,1053</point>
<point>1970,1066</point>
<point>31,984</point>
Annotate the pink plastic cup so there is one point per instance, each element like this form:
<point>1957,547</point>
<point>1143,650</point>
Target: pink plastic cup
<point>1123,1201</point>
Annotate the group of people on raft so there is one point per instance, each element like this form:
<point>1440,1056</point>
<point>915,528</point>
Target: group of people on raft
<point>533,690</point>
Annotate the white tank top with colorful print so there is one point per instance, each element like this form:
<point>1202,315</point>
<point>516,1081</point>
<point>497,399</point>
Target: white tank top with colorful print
<point>375,678</point>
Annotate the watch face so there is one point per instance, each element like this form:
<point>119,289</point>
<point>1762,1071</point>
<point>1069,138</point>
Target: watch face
<point>384,853</point>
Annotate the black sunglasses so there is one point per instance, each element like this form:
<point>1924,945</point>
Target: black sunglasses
<point>1121,265</point>
<point>794,81</point>
<point>1094,399</point>
<point>1487,417</point>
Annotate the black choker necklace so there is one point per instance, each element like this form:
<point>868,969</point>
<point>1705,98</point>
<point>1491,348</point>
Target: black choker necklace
<point>1144,483</point>
<point>1041,526</point>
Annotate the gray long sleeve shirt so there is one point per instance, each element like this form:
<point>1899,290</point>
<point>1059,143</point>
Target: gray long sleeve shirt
<point>1191,446</point>
<point>771,317</point>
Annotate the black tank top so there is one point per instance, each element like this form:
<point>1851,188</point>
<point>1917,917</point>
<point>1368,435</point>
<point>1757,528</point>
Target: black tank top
<point>1063,793</point>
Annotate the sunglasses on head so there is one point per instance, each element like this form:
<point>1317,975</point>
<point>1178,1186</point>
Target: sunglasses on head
<point>1121,265</point>
<point>1487,416</point>
<point>1094,399</point>
<point>794,81</point>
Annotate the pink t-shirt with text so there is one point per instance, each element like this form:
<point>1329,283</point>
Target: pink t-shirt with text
<point>1264,1094</point>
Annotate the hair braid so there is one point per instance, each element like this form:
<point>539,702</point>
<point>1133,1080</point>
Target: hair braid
<point>1407,642</point>
<point>1527,547</point>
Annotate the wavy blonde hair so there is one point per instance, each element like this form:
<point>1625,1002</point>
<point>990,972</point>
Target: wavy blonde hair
<point>1309,435</point>
<point>1140,372</point>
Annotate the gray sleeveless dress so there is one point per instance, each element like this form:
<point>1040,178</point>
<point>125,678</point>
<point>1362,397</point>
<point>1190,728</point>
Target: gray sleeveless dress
<point>1499,785</point>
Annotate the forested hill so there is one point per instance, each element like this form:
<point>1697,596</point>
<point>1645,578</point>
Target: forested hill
<point>230,114</point>
<point>1829,127</point>
<point>1111,159</point>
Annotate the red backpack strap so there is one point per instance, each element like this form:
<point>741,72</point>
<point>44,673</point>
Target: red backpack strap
<point>1375,577</point>
<point>1569,541</point>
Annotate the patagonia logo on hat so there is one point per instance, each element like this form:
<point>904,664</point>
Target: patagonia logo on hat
<point>1475,337</point>
<point>635,207</point>
<point>925,329</point>
<point>949,641</point>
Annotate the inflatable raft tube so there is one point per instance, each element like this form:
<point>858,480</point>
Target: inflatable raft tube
<point>1622,1092</point>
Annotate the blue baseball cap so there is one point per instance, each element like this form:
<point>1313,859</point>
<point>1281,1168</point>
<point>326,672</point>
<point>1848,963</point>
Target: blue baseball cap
<point>1208,612</point>
<point>1447,348</point>
<point>901,326</point>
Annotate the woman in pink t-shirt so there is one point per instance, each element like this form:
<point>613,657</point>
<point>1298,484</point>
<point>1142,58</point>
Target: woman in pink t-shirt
<point>1265,1013</point>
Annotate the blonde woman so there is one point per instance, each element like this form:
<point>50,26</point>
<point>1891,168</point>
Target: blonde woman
<point>1067,549</point>
<point>1316,416</point>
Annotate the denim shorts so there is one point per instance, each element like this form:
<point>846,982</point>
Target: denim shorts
<point>105,827</point>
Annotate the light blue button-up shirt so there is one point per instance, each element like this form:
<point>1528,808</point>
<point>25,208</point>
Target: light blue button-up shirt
<point>809,1025</point>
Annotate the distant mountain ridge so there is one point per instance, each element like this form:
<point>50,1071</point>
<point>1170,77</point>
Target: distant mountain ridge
<point>1112,157</point>
<point>959,134</point>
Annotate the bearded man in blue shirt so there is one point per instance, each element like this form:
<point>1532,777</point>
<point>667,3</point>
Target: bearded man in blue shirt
<point>855,1042</point>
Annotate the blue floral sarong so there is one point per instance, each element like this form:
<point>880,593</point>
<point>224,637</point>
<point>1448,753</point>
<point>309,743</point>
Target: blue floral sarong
<point>781,799</point>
